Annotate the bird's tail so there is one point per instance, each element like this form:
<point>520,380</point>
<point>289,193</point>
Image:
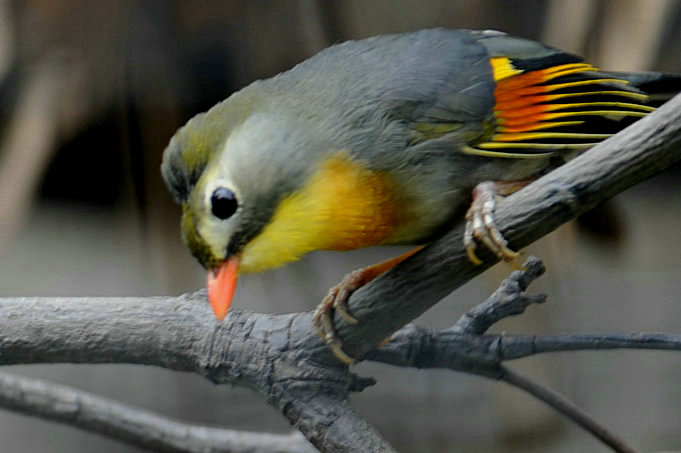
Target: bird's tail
<point>659,86</point>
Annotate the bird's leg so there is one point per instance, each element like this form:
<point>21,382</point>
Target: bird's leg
<point>480,223</point>
<point>337,299</point>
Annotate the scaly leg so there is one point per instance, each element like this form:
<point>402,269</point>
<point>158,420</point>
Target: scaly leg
<point>337,299</point>
<point>480,223</point>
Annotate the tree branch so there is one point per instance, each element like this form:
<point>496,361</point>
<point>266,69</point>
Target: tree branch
<point>89,330</point>
<point>134,425</point>
<point>509,300</point>
<point>566,408</point>
<point>267,353</point>
<point>463,347</point>
<point>418,347</point>
<point>519,346</point>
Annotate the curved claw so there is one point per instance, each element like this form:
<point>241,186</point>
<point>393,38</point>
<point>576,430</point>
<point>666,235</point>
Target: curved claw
<point>324,325</point>
<point>337,300</point>
<point>472,257</point>
<point>481,225</point>
<point>340,304</point>
<point>335,346</point>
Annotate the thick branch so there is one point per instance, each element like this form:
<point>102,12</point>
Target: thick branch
<point>134,425</point>
<point>268,353</point>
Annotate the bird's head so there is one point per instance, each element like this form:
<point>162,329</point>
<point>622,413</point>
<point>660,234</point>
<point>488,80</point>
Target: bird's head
<point>259,190</point>
<point>230,169</point>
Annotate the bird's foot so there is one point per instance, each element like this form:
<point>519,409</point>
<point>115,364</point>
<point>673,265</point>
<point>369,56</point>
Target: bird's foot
<point>481,225</point>
<point>337,300</point>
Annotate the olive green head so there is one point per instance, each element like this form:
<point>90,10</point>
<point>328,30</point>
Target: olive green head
<point>186,171</point>
<point>230,169</point>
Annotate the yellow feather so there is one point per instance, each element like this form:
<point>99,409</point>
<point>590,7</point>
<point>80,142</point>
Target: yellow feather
<point>504,154</point>
<point>503,68</point>
<point>516,137</point>
<point>342,206</point>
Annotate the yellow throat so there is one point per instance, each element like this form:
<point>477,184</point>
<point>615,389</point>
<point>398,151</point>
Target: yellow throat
<point>342,206</point>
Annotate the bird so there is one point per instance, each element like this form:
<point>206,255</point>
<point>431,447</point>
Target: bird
<point>393,139</point>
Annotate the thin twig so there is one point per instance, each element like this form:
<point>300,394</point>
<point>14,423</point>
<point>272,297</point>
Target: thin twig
<point>414,346</point>
<point>133,425</point>
<point>519,346</point>
<point>508,300</point>
<point>441,349</point>
<point>565,407</point>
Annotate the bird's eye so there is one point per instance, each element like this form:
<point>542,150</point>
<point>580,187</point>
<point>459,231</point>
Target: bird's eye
<point>223,203</point>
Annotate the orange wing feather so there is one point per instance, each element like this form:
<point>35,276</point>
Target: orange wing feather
<point>544,110</point>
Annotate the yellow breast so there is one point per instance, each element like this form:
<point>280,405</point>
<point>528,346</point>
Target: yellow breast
<point>342,206</point>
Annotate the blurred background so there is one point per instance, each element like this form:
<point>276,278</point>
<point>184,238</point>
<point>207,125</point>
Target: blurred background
<point>92,90</point>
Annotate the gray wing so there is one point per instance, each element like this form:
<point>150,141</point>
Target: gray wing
<point>425,77</point>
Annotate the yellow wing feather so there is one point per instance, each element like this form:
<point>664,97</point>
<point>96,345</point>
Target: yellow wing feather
<point>531,120</point>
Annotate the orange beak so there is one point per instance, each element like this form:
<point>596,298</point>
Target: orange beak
<point>221,285</point>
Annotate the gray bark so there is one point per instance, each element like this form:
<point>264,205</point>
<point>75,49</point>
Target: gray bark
<point>139,427</point>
